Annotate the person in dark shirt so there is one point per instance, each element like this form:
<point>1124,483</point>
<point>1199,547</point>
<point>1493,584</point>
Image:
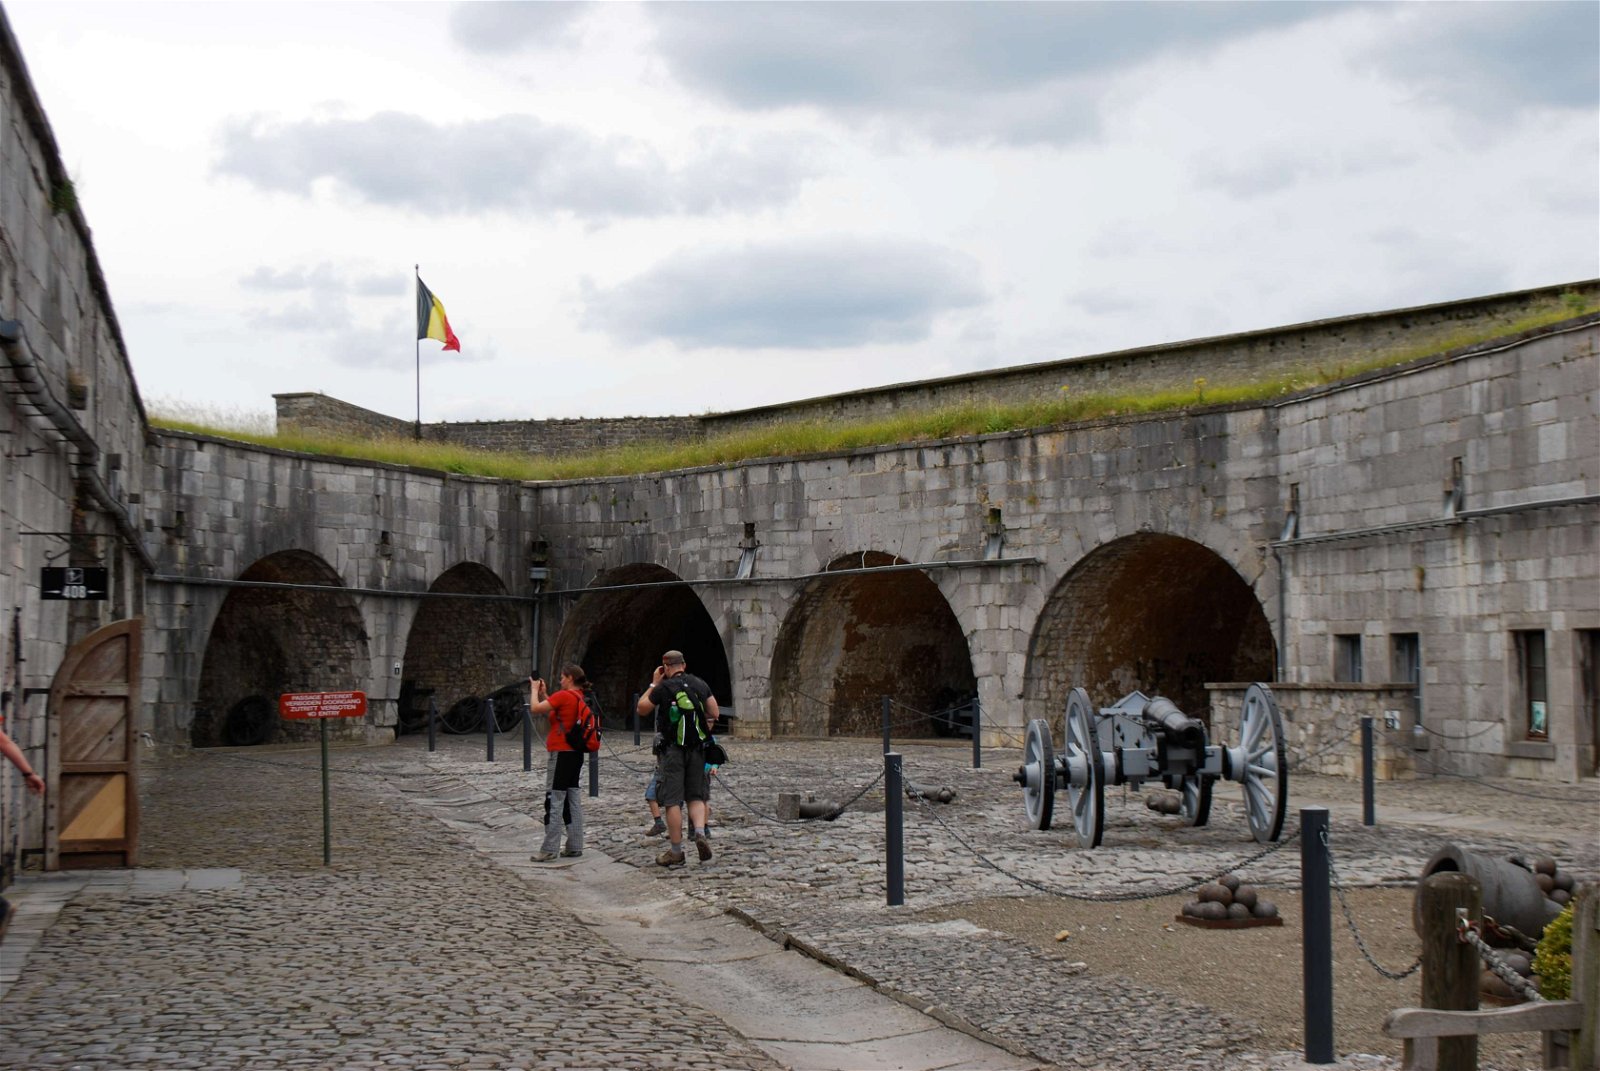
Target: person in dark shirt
<point>685,715</point>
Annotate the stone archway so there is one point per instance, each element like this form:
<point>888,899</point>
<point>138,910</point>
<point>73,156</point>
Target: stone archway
<point>1153,612</point>
<point>849,641</point>
<point>618,636</point>
<point>267,641</point>
<point>462,649</point>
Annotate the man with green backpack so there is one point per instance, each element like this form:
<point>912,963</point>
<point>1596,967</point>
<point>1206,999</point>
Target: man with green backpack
<point>685,716</point>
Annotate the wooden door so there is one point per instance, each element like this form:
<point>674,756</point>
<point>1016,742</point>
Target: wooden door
<point>92,810</point>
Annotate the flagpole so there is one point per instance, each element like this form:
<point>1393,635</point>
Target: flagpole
<point>416,302</point>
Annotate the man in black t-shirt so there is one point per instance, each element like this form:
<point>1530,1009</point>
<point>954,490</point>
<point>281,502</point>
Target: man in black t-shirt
<point>685,714</point>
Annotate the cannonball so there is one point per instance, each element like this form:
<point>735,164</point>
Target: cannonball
<point>1544,865</point>
<point>1246,895</point>
<point>1152,802</point>
<point>1189,906</point>
<point>1213,910</point>
<point>1215,894</point>
<point>1231,881</point>
<point>1265,909</point>
<point>1490,983</point>
<point>1560,896</point>
<point>1564,880</point>
<point>1518,961</point>
<point>1544,881</point>
<point>1238,911</point>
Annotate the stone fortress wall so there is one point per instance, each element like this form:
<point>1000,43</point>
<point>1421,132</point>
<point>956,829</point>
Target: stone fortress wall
<point>74,432</point>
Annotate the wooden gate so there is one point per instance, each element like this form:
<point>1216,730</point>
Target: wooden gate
<point>92,810</point>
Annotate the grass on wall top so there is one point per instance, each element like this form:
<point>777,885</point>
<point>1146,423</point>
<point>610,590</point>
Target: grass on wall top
<point>818,436</point>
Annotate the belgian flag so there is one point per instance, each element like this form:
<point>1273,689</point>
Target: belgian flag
<point>431,320</point>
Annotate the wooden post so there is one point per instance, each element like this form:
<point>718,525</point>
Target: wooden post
<point>1450,967</point>
<point>1586,975</point>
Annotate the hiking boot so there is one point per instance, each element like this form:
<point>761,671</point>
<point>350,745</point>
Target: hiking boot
<point>571,853</point>
<point>658,828</point>
<point>669,858</point>
<point>542,857</point>
<point>703,846</point>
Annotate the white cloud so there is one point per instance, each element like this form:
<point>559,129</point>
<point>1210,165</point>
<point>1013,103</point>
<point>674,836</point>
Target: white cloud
<point>744,203</point>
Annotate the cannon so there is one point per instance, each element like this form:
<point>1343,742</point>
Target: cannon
<point>1141,739</point>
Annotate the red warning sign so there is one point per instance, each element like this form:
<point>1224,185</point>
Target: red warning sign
<point>296,705</point>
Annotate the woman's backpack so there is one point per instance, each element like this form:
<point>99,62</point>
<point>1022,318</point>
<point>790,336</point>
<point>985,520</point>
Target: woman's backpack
<point>584,732</point>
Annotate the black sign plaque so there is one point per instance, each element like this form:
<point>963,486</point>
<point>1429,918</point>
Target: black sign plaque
<point>85,583</point>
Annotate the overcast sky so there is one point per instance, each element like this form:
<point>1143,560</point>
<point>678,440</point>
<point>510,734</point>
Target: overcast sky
<point>682,208</point>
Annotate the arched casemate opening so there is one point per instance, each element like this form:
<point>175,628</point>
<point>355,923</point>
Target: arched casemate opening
<point>852,639</point>
<point>463,650</point>
<point>1153,612</point>
<point>618,636</point>
<point>268,641</point>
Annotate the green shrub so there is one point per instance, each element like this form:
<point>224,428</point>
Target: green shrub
<point>1552,960</point>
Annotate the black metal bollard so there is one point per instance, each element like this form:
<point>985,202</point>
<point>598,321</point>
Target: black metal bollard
<point>527,738</point>
<point>433,724</point>
<point>635,708</point>
<point>1316,926</point>
<point>1368,818</point>
<point>488,730</point>
<point>977,734</point>
<point>894,827</point>
<point>888,705</point>
<point>594,775</point>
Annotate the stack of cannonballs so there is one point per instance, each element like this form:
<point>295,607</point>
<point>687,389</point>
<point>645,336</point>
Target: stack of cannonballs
<point>1555,883</point>
<point>1230,899</point>
<point>1492,984</point>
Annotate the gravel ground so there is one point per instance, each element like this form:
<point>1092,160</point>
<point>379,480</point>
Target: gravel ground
<point>1252,976</point>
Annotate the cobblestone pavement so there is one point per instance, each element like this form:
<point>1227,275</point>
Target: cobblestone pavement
<point>409,952</point>
<point>820,885</point>
<point>229,976</point>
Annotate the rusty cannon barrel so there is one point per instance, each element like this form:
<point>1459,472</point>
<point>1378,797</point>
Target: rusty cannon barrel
<point>1511,894</point>
<point>1180,729</point>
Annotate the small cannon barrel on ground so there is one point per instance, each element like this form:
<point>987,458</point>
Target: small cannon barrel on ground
<point>1139,739</point>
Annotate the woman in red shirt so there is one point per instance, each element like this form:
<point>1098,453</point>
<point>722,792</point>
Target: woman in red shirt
<point>563,802</point>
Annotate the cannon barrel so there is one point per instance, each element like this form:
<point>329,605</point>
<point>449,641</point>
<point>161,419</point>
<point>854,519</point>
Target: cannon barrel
<point>1511,895</point>
<point>1180,729</point>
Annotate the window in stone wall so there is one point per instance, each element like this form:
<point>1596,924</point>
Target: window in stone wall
<point>1533,682</point>
<point>1405,666</point>
<point>1347,658</point>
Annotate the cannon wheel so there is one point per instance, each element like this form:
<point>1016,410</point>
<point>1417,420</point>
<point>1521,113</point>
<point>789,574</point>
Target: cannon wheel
<point>1038,775</point>
<point>1195,808</point>
<point>1266,768</point>
<point>464,716</point>
<point>1088,800</point>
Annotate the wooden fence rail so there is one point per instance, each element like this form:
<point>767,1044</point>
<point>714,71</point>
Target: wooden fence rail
<point>1445,1039</point>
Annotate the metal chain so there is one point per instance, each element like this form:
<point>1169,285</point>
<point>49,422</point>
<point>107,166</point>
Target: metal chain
<point>1440,771</point>
<point>723,781</point>
<point>1502,970</point>
<point>1350,921</point>
<point>1108,898</point>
